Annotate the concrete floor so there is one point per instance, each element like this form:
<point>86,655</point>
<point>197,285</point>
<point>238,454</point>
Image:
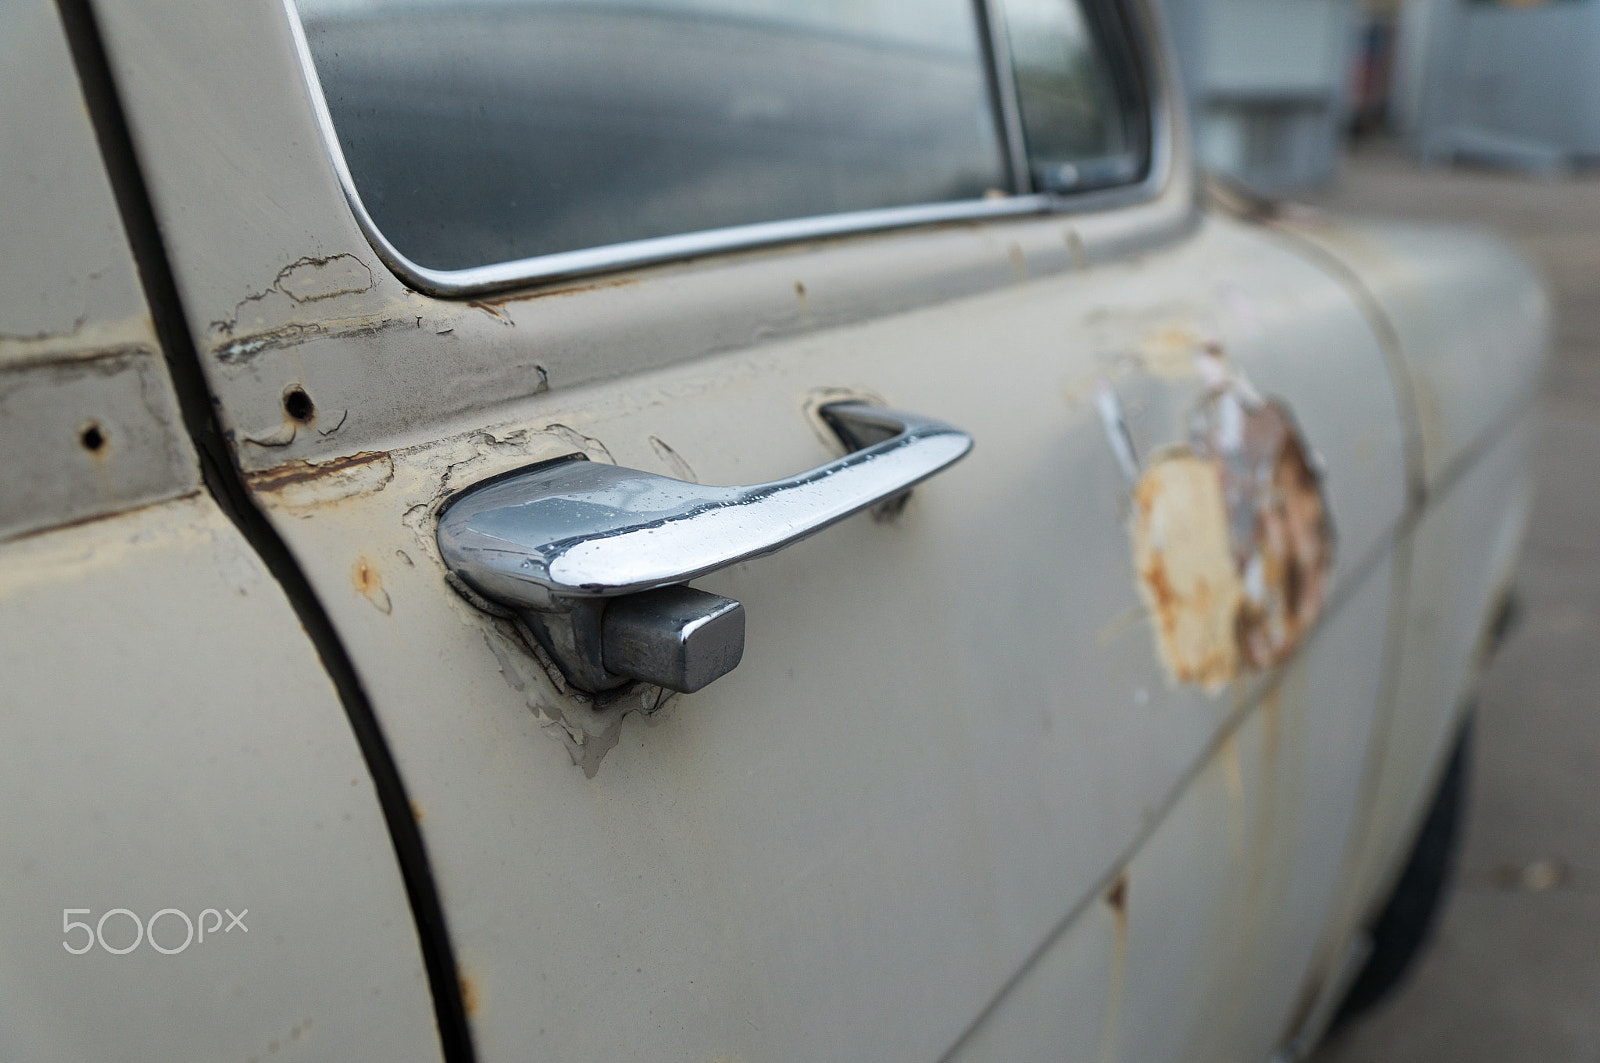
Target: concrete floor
<point>1513,971</point>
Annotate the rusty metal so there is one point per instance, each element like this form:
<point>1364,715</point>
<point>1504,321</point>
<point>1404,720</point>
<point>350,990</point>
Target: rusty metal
<point>1233,540</point>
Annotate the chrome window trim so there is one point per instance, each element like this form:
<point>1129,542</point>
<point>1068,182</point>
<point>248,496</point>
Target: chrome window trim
<point>568,265</point>
<point>997,42</point>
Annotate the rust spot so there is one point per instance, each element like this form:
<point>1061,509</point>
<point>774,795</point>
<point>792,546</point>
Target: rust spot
<point>1117,897</point>
<point>370,584</point>
<point>416,812</point>
<point>1232,540</point>
<point>469,992</point>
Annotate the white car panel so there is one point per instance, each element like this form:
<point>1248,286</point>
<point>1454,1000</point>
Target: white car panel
<point>196,759</point>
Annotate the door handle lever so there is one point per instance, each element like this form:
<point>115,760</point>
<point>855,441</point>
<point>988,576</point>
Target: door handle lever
<point>568,543</point>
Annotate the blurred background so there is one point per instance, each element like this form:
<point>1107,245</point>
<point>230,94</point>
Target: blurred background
<point>1487,112</point>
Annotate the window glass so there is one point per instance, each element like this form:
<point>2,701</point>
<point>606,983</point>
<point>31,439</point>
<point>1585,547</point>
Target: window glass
<point>1083,124</point>
<point>485,131</point>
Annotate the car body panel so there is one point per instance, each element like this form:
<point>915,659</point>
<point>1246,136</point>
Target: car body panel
<point>955,780</point>
<point>917,849</point>
<point>161,777</point>
<point>1230,888</point>
<point>1468,325</point>
<point>77,348</point>
<point>1467,314</point>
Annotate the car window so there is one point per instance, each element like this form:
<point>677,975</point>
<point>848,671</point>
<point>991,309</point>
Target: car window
<point>1078,132</point>
<point>479,132</point>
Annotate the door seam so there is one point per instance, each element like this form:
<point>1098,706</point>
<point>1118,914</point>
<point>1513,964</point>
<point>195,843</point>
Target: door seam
<point>226,487</point>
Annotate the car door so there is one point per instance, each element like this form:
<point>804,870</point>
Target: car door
<point>956,720</point>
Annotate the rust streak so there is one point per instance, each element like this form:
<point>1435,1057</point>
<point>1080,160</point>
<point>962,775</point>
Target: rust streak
<point>549,293</point>
<point>300,471</point>
<point>470,1001</point>
<point>1116,899</point>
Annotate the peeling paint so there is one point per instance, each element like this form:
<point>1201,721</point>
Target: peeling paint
<point>586,729</point>
<point>297,484</point>
<point>246,348</point>
<point>308,280</point>
<point>1232,539</point>
<point>493,310</point>
<point>85,341</point>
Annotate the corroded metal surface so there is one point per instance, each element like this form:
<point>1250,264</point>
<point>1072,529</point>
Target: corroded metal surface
<point>1232,538</point>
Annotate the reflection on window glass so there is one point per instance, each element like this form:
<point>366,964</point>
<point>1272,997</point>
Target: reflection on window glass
<point>1077,131</point>
<point>485,131</point>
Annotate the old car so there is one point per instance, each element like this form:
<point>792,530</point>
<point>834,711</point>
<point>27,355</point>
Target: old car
<point>1090,566</point>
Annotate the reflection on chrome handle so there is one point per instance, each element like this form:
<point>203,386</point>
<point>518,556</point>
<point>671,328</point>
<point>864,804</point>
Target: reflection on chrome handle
<point>582,529</point>
<point>561,535</point>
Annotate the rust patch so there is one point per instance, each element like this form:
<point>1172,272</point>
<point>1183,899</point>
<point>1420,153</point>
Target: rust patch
<point>469,992</point>
<point>1232,540</point>
<point>369,582</point>
<point>1186,570</point>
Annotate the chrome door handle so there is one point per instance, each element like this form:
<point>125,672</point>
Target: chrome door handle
<point>582,550</point>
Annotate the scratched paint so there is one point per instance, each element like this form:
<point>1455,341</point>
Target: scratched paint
<point>1232,538</point>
